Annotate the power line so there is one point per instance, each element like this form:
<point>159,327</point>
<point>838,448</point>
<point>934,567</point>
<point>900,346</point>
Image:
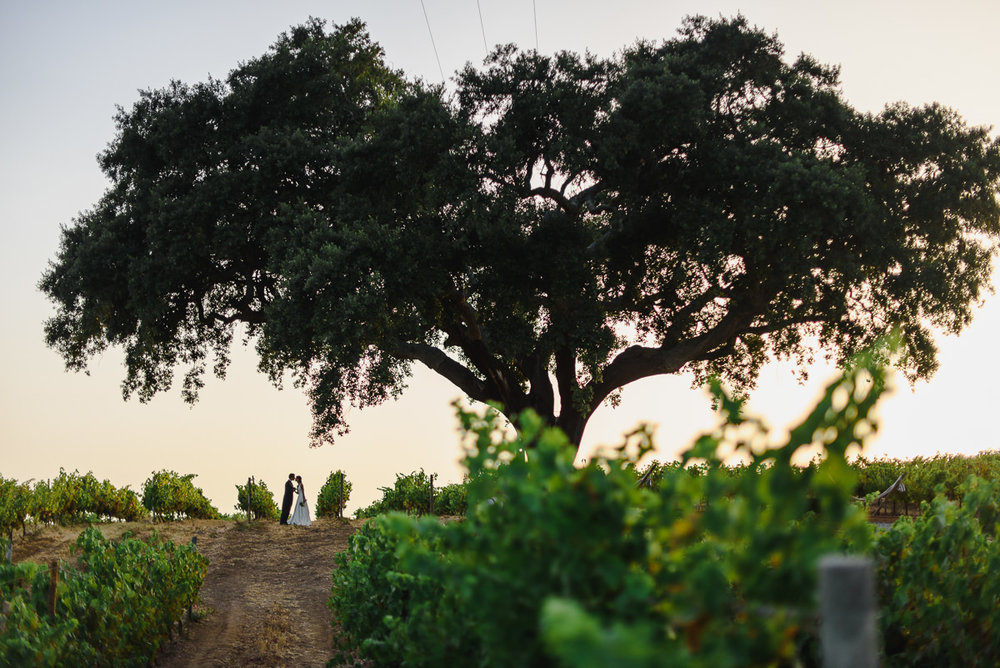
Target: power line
<point>483,27</point>
<point>434,46</point>
<point>534,9</point>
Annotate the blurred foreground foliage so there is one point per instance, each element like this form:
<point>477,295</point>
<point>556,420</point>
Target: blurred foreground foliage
<point>559,565</point>
<point>710,566</point>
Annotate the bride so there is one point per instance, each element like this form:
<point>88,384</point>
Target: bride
<point>301,514</point>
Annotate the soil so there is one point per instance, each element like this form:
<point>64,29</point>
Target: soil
<point>263,602</point>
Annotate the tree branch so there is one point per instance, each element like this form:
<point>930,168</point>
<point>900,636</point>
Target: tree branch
<point>465,333</point>
<point>436,360</point>
<point>557,197</point>
<point>469,316</point>
<point>694,306</point>
<point>636,362</point>
<point>242,311</point>
<point>249,317</point>
<point>587,194</point>
<point>782,324</point>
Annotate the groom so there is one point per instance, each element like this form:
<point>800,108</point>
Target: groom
<point>286,503</point>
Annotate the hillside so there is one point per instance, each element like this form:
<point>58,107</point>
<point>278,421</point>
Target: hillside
<point>263,602</point>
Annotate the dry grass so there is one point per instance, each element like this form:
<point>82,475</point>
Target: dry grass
<point>266,642</point>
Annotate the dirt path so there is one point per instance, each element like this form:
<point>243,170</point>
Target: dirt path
<point>263,602</point>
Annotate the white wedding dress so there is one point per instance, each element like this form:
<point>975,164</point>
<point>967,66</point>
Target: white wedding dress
<point>301,515</point>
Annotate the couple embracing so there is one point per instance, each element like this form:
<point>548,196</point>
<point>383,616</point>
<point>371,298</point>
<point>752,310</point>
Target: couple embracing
<point>301,514</point>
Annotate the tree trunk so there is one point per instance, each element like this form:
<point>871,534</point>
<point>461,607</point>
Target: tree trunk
<point>573,425</point>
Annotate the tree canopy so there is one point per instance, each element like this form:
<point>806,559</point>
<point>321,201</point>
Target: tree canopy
<point>554,229</point>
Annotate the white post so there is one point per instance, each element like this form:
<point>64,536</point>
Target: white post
<point>847,612</point>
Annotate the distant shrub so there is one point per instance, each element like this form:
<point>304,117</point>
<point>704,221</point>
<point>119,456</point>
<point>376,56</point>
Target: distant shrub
<point>925,477</point>
<point>411,494</point>
<point>15,505</point>
<point>168,496</point>
<point>69,498</point>
<point>329,503</point>
<point>261,502</point>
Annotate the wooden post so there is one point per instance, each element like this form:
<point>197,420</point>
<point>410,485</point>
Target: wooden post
<point>8,552</point>
<point>340,505</point>
<point>194,546</point>
<point>53,581</point>
<point>847,612</point>
<point>431,504</point>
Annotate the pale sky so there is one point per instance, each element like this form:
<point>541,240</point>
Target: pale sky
<point>65,65</point>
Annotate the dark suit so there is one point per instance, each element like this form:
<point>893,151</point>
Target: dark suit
<point>286,503</point>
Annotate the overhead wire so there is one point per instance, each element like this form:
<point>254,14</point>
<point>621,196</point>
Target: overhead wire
<point>433,45</point>
<point>534,10</point>
<point>482,26</point>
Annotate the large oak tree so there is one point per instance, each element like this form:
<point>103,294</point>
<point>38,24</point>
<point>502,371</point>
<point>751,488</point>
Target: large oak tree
<point>552,231</point>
